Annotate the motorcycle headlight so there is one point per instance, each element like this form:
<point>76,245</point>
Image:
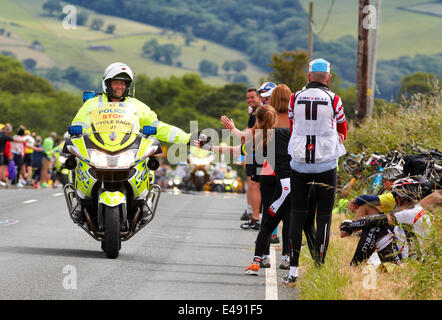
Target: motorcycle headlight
<point>227,181</point>
<point>199,173</point>
<point>177,181</point>
<point>102,160</point>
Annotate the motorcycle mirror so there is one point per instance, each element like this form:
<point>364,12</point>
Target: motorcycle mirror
<point>153,164</point>
<point>88,94</point>
<point>149,130</point>
<point>70,163</point>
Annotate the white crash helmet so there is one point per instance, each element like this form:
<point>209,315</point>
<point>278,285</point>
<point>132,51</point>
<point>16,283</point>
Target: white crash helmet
<point>117,71</point>
<point>406,188</point>
<point>266,89</point>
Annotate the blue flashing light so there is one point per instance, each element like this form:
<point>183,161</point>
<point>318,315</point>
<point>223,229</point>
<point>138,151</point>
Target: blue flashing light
<point>88,94</point>
<point>149,130</point>
<point>73,130</point>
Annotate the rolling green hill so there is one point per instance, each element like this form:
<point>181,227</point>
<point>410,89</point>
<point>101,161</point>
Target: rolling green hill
<point>24,21</point>
<point>401,32</point>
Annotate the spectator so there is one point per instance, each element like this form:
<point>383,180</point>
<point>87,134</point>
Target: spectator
<point>252,183</point>
<point>265,92</point>
<point>48,145</point>
<point>318,129</point>
<point>376,233</point>
<point>37,162</point>
<point>373,204</point>
<point>18,151</point>
<point>27,167</point>
<point>5,154</point>
<point>278,98</point>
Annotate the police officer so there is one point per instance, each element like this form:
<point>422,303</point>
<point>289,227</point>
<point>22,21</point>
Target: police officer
<point>116,82</point>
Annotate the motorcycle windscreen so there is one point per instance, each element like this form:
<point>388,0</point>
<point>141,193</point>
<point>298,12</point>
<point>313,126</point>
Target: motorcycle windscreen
<point>114,125</point>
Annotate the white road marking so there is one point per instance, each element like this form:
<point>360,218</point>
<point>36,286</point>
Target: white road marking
<point>29,201</point>
<point>271,278</point>
<point>57,194</point>
<point>8,222</point>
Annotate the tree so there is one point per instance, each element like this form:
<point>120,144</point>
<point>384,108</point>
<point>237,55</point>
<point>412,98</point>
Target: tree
<point>208,68</point>
<point>82,18</point>
<point>188,35</point>
<point>97,24</point>
<point>226,66</point>
<point>8,63</point>
<point>238,65</point>
<point>110,28</point>
<point>419,82</point>
<point>149,47</point>
<point>240,78</point>
<point>53,7</point>
<point>29,63</point>
<point>288,68</point>
<point>166,53</point>
<point>18,81</point>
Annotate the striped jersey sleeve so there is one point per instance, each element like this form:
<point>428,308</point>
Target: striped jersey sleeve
<point>291,107</point>
<point>339,109</point>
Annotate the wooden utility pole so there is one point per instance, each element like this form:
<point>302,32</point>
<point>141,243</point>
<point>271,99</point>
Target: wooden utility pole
<point>372,57</point>
<point>362,66</point>
<point>310,32</point>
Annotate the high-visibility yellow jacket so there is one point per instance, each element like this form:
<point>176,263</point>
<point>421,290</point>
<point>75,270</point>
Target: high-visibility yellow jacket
<point>165,132</point>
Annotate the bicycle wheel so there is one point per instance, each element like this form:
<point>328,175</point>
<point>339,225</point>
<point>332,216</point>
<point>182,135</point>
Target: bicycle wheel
<point>372,184</point>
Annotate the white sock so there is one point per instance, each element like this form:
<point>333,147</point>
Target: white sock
<point>293,271</point>
<point>286,257</point>
<point>249,208</point>
<point>265,256</point>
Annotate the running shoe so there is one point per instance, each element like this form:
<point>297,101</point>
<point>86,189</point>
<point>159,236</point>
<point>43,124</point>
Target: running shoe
<point>289,280</point>
<point>253,269</point>
<point>265,263</point>
<point>251,225</point>
<point>285,264</point>
<point>44,185</point>
<point>246,216</point>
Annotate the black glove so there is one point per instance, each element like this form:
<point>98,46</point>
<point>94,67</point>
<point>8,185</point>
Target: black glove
<point>345,226</point>
<point>204,141</point>
<point>373,220</point>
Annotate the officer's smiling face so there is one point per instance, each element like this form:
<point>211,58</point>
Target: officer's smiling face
<point>118,87</point>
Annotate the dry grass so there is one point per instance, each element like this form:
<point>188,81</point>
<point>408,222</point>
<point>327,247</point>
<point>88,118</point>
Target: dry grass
<point>415,121</point>
<point>337,280</point>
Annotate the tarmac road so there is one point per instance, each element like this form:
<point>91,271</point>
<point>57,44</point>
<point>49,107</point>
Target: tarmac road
<point>192,250</point>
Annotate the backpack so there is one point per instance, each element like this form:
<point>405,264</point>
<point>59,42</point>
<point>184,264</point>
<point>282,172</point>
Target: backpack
<point>415,165</point>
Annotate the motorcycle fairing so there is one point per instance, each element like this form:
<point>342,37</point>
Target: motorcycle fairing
<point>112,199</point>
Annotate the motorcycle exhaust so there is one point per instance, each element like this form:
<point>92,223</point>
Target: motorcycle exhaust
<point>70,196</point>
<point>152,199</point>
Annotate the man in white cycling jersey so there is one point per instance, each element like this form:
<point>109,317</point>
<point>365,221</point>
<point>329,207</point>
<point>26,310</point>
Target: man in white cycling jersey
<point>388,234</point>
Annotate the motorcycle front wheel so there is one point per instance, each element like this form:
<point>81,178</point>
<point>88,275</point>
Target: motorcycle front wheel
<point>112,243</point>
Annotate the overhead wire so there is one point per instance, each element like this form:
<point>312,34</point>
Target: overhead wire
<point>326,19</point>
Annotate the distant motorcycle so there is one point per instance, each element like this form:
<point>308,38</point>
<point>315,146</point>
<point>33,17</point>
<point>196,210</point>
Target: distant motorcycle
<point>199,174</point>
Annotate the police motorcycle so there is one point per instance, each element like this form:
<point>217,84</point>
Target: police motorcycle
<point>111,192</point>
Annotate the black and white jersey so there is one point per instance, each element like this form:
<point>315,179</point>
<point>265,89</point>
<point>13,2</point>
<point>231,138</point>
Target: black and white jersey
<point>314,113</point>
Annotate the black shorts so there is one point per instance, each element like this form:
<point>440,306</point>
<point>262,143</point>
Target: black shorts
<point>28,160</point>
<point>3,160</point>
<point>251,171</point>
